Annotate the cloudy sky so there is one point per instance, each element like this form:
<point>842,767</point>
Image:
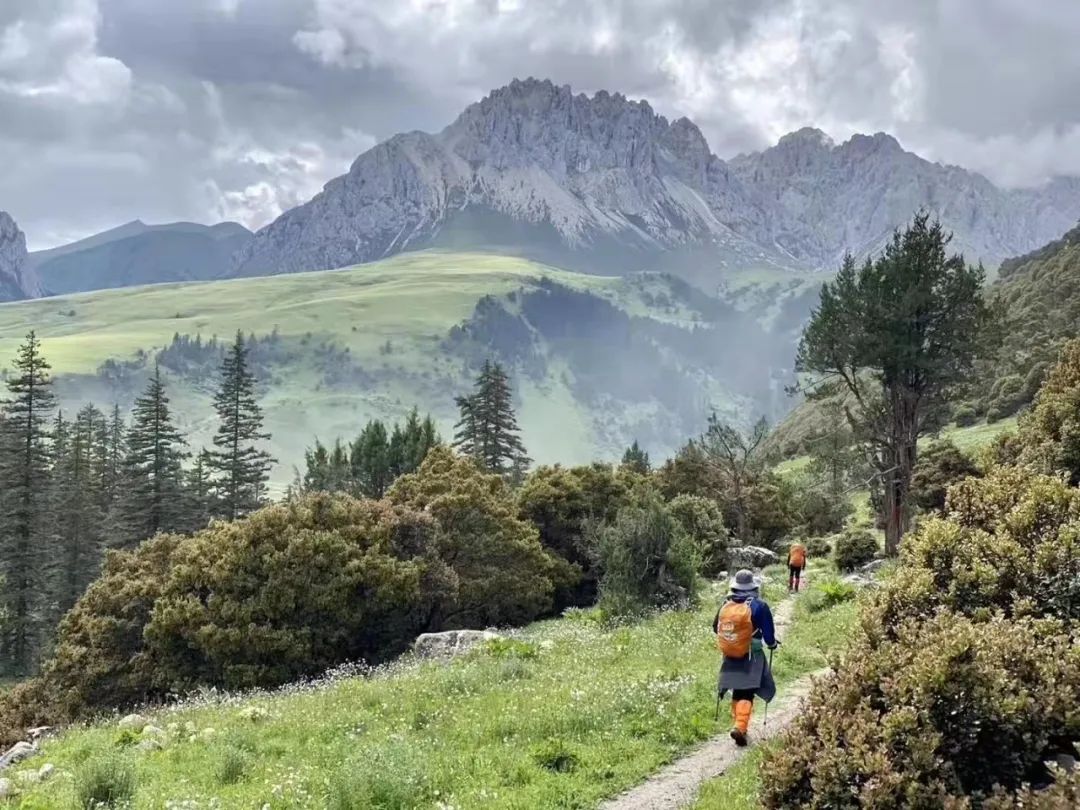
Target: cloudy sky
<point>112,110</point>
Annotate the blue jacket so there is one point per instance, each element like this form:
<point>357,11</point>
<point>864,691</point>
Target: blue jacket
<point>760,617</point>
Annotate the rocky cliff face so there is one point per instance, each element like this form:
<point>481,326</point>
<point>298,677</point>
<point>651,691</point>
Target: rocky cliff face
<point>605,183</point>
<point>17,280</point>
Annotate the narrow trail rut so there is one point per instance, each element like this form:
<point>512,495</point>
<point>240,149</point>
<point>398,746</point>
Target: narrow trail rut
<point>676,786</point>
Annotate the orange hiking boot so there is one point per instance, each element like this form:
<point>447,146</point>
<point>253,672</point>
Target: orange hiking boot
<point>740,713</point>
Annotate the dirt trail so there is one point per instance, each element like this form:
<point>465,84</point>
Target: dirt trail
<point>677,785</point>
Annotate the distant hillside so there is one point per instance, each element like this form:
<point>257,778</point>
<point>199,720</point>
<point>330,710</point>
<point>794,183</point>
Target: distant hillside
<point>598,360</point>
<point>1040,295</point>
<point>136,254</point>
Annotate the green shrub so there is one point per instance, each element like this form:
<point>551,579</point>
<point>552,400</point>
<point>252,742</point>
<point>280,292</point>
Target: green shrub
<point>853,548</point>
<point>501,573</point>
<point>948,710</point>
<point>234,766</point>
<point>822,513</point>
<point>1049,433</point>
<point>703,522</point>
<point>512,648</point>
<point>560,502</point>
<point>965,415</point>
<point>646,558</point>
<point>940,466</point>
<point>105,782</point>
<point>1011,544</point>
<point>818,546</point>
<point>835,593</point>
<point>297,589</point>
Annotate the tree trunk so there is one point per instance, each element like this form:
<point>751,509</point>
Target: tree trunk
<point>896,480</point>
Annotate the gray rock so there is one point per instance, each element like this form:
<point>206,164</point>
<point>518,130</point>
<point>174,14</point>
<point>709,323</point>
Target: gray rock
<point>873,567</point>
<point>751,557</point>
<point>17,279</point>
<point>153,731</point>
<point>149,744</point>
<point>17,753</point>
<point>858,580</point>
<point>36,734</point>
<point>46,771</point>
<point>7,789</point>
<point>451,642</point>
<point>135,722</point>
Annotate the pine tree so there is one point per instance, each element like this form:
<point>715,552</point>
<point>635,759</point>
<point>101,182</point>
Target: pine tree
<point>636,459</point>
<point>241,468</point>
<point>198,493</point>
<point>79,519</point>
<point>151,500</point>
<point>371,460</point>
<point>24,507</point>
<point>488,429</point>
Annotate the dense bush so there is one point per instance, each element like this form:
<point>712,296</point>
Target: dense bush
<point>821,513</point>
<point>1050,431</point>
<point>702,521</point>
<point>501,573</point>
<point>295,589</point>
<point>646,557</point>
<point>939,466</point>
<point>292,590</point>
<point>1011,544</point>
<point>561,502</point>
<point>818,546</point>
<point>948,710</point>
<point>965,415</point>
<point>853,548</point>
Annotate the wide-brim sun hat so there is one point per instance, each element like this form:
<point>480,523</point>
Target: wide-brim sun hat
<point>745,581</point>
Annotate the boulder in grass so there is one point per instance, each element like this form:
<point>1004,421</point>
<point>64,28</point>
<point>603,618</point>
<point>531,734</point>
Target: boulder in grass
<point>135,722</point>
<point>873,566</point>
<point>451,642</point>
<point>7,789</point>
<point>17,753</point>
<point>751,557</point>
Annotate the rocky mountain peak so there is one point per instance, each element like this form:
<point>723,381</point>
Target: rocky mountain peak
<point>17,281</point>
<point>805,138</point>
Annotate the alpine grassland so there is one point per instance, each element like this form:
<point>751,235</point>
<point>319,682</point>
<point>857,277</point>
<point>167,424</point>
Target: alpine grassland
<point>340,347</point>
<point>560,714</point>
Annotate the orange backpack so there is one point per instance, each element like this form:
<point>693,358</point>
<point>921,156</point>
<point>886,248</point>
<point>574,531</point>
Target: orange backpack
<point>797,556</point>
<point>734,629</point>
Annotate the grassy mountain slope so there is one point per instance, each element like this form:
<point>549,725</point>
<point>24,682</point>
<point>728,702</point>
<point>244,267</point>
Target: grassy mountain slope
<point>599,360</point>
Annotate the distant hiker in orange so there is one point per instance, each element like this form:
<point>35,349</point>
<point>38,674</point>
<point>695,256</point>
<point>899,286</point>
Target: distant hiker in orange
<point>743,627</point>
<point>796,562</point>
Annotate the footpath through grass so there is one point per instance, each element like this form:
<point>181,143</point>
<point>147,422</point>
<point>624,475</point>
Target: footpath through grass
<point>817,625</point>
<point>566,713</point>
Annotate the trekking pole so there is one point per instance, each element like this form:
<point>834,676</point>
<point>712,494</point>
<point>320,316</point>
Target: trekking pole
<point>766,725</point>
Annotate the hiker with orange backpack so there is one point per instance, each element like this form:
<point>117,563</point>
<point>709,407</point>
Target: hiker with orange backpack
<point>796,562</point>
<point>743,627</point>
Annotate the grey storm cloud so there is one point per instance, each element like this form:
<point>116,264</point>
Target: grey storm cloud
<point>238,109</point>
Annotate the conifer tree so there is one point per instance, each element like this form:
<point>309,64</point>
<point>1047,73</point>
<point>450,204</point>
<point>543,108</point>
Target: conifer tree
<point>151,500</point>
<point>241,468</point>
<point>78,516</point>
<point>371,460</point>
<point>24,507</point>
<point>198,493</point>
<point>636,459</point>
<point>488,429</point>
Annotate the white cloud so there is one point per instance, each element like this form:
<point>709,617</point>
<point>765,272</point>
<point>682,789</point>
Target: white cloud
<point>55,56</point>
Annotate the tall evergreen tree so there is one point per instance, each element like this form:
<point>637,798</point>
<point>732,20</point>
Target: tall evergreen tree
<point>24,507</point>
<point>896,336</point>
<point>78,516</point>
<point>488,429</point>
<point>151,500</point>
<point>198,493</point>
<point>371,460</point>
<point>636,459</point>
<point>241,467</point>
